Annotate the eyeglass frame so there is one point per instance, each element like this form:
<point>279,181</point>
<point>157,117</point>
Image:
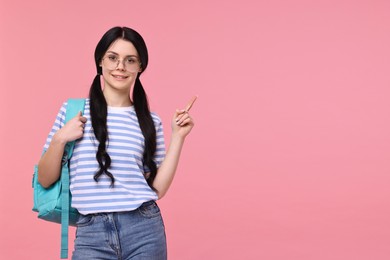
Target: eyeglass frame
<point>123,60</point>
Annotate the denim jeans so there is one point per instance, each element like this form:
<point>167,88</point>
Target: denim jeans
<point>136,235</point>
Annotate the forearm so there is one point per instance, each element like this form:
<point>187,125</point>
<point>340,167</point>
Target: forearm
<point>49,167</point>
<point>167,169</point>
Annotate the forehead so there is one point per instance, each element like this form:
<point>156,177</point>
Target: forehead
<point>123,48</point>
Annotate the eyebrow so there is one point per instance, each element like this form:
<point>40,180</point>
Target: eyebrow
<point>113,52</point>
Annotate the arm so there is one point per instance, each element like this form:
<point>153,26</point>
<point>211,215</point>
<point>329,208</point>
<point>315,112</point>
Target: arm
<point>181,127</point>
<point>49,166</point>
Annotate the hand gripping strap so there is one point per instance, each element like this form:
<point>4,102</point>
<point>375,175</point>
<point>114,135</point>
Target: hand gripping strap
<point>73,107</point>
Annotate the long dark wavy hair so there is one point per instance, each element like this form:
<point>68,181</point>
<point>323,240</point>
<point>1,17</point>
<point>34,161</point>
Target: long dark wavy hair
<point>98,104</point>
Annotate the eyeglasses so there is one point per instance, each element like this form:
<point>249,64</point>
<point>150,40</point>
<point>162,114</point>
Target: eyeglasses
<point>129,63</point>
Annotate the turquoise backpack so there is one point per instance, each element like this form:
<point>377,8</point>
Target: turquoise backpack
<point>53,203</point>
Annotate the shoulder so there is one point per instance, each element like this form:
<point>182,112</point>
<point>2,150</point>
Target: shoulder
<point>63,107</point>
<point>156,118</point>
<point>65,103</point>
<point>75,101</point>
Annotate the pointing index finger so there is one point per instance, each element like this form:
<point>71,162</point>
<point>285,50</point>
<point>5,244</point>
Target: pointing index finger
<point>189,105</point>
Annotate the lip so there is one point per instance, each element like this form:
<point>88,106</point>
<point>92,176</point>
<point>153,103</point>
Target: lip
<point>119,77</point>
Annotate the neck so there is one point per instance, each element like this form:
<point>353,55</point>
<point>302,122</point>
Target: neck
<point>116,99</point>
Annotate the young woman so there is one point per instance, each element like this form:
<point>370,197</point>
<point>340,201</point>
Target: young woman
<point>119,167</point>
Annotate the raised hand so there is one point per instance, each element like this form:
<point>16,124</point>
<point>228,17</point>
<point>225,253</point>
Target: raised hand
<point>182,122</point>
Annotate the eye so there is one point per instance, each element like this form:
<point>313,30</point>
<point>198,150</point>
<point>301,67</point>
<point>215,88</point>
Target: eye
<point>131,60</point>
<point>112,57</point>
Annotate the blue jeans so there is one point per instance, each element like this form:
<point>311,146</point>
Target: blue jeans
<point>136,235</point>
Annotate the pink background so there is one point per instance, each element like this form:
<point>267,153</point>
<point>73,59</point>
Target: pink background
<point>289,158</point>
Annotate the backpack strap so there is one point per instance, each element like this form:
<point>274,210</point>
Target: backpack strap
<point>73,107</point>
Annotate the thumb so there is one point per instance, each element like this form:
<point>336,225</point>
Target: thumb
<point>81,117</point>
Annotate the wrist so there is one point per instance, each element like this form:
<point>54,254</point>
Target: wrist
<point>58,139</point>
<point>177,138</point>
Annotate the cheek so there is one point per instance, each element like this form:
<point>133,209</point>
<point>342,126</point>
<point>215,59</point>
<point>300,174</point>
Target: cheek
<point>105,75</point>
<point>105,71</point>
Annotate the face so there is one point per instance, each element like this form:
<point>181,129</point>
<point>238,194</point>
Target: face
<point>120,66</point>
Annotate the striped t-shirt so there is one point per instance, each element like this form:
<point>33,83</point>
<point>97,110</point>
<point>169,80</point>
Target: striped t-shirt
<point>125,146</point>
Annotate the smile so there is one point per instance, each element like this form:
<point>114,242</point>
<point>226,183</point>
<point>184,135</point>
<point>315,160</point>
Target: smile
<point>120,77</point>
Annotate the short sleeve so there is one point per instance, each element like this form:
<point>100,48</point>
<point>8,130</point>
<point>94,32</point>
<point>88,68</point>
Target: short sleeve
<point>58,124</point>
<point>160,142</point>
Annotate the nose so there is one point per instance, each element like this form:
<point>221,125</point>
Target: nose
<point>121,65</point>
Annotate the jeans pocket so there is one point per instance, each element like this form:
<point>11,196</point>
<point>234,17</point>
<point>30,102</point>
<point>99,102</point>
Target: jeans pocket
<point>85,220</point>
<point>149,209</point>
